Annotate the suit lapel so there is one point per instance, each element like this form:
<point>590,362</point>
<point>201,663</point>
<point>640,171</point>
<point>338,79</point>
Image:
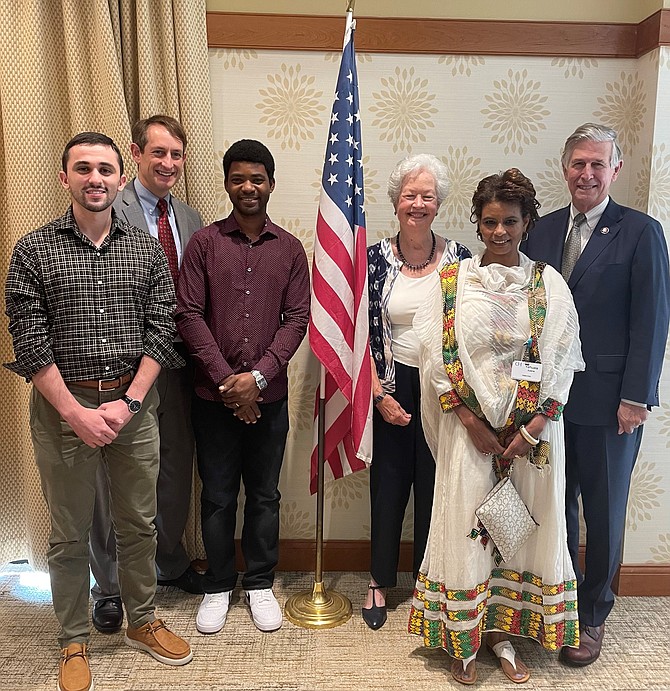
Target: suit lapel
<point>555,241</point>
<point>607,229</point>
<point>131,207</point>
<point>181,218</point>
<point>133,212</point>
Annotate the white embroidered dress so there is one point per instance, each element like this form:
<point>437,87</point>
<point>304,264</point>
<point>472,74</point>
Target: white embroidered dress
<point>460,593</point>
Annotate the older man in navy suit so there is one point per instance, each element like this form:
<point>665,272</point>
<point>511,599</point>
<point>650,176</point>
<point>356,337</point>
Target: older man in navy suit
<point>159,150</point>
<point>615,260</point>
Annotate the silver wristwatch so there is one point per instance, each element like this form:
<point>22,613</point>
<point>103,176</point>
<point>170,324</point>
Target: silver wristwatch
<point>261,381</point>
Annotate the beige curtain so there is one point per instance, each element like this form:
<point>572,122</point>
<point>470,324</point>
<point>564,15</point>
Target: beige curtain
<point>68,66</point>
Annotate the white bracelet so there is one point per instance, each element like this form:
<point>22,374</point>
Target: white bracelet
<point>527,436</point>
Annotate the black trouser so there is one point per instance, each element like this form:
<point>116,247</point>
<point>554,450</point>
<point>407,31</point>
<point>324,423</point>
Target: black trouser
<point>229,450</point>
<point>401,458</point>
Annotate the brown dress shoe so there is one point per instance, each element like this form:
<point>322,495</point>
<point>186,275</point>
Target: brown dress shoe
<point>590,643</point>
<point>157,640</point>
<point>74,674</point>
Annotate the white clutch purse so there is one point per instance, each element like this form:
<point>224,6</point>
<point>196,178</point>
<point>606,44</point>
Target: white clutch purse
<point>506,519</point>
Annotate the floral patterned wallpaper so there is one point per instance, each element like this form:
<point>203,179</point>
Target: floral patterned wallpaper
<point>480,115</point>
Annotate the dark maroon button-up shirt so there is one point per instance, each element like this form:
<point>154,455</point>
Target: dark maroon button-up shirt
<point>242,305</point>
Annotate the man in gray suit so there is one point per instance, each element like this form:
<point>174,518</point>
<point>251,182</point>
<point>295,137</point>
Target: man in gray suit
<point>159,150</point>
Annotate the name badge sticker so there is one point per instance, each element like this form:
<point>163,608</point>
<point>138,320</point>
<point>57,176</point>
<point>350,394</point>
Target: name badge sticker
<point>526,371</point>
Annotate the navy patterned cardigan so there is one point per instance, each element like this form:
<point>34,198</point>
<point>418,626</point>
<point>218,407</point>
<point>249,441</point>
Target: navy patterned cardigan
<point>383,269</point>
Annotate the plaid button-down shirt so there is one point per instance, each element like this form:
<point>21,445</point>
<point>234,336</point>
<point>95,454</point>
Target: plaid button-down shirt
<point>93,311</point>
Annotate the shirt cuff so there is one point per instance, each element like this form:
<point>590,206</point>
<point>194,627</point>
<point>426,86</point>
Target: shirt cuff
<point>449,400</point>
<point>552,409</point>
<point>635,403</point>
<point>164,354</point>
<point>28,369</point>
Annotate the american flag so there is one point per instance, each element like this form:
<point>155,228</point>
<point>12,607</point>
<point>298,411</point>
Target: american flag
<point>338,327</point>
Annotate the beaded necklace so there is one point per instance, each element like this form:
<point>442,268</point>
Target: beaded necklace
<point>415,267</point>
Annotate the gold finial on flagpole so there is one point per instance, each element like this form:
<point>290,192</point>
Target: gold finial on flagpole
<point>350,5</point>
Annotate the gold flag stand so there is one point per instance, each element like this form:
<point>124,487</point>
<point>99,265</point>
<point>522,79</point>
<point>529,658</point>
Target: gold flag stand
<point>319,608</point>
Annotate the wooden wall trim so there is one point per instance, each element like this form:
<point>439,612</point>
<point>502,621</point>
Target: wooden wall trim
<point>643,580</point>
<point>338,555</point>
<point>439,36</point>
<point>648,33</point>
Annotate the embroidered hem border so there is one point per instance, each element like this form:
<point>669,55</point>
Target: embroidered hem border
<point>508,615</point>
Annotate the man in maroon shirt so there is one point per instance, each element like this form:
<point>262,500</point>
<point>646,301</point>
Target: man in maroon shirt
<point>243,308</point>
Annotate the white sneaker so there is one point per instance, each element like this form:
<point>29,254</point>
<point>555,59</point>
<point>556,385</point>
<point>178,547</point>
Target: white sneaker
<point>212,612</point>
<point>265,609</point>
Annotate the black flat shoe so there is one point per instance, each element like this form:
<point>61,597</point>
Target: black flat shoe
<point>375,616</point>
<point>108,615</point>
<point>190,582</point>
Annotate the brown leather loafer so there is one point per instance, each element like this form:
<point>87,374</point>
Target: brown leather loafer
<point>74,674</point>
<point>590,643</point>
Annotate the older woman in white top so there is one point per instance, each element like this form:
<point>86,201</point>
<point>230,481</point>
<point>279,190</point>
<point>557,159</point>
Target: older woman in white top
<point>400,271</point>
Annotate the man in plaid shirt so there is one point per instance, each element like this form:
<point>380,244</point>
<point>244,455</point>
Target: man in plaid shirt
<point>90,302</point>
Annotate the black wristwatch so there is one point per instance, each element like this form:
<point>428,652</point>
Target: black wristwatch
<point>379,398</point>
<point>134,406</point>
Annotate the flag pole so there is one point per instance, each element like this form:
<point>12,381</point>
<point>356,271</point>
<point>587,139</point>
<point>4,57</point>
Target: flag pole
<point>319,608</point>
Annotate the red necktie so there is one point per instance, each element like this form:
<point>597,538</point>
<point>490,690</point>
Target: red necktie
<point>166,239</point>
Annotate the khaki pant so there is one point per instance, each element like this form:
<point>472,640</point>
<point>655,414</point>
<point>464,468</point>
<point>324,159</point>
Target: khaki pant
<point>68,470</point>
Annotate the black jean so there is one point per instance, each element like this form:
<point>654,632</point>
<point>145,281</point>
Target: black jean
<point>229,450</point>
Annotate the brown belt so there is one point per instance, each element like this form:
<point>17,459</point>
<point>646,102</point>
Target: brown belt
<point>105,384</point>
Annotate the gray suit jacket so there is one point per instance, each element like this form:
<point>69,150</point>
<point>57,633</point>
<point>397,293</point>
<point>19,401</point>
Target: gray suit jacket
<point>128,206</point>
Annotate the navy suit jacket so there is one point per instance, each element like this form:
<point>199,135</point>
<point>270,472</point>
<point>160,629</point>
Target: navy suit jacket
<point>621,290</point>
<point>128,206</point>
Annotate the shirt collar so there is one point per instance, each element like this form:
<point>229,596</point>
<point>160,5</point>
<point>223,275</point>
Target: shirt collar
<point>69,223</point>
<point>230,225</point>
<point>593,215</point>
<point>148,199</point>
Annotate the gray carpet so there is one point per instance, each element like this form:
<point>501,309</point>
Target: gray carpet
<point>350,657</point>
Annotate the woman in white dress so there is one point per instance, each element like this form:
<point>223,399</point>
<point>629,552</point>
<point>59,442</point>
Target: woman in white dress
<point>480,417</point>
